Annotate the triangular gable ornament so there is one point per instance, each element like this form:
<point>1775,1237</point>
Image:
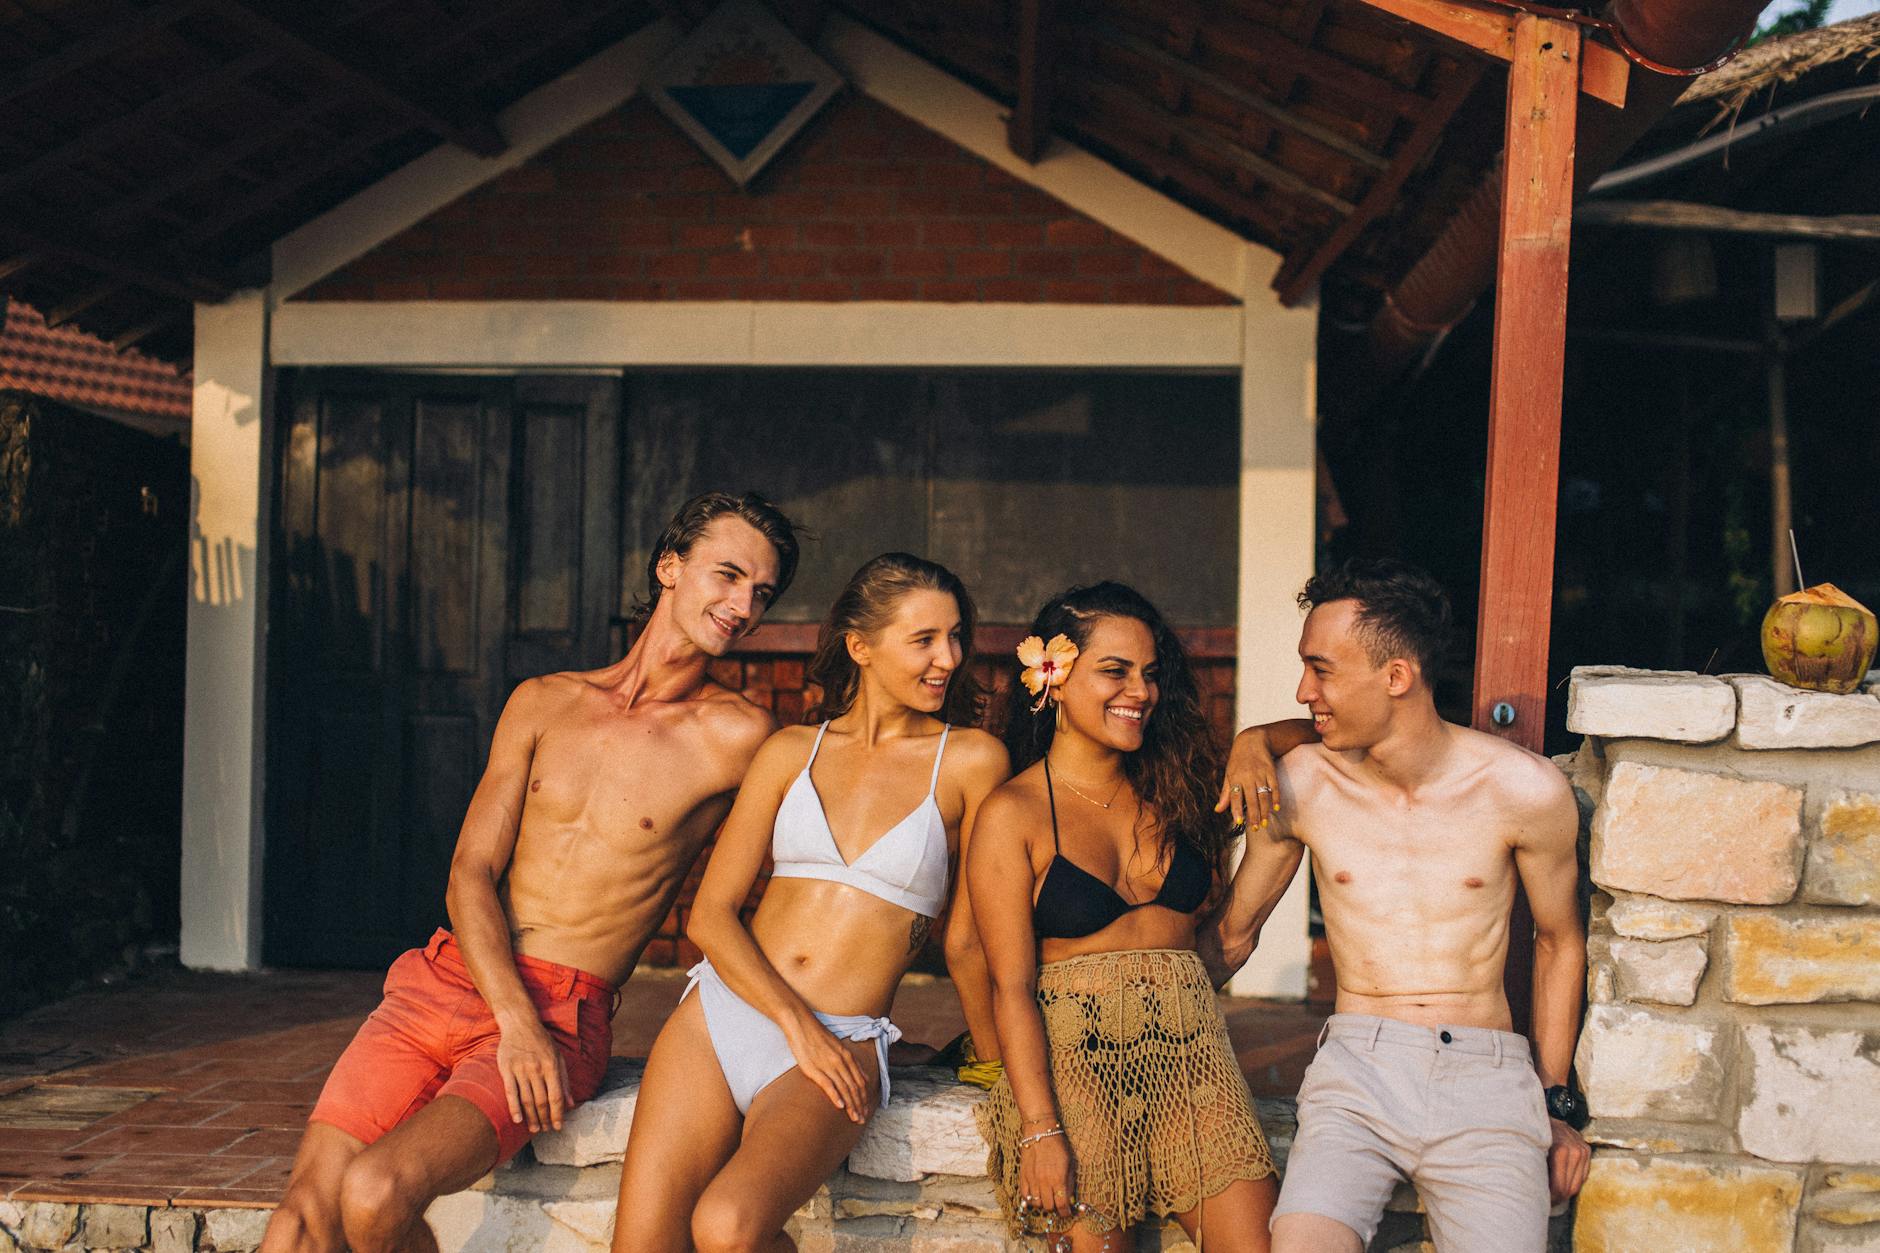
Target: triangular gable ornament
<point>741,86</point>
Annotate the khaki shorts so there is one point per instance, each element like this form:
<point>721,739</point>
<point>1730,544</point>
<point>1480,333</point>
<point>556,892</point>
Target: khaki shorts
<point>1458,1111</point>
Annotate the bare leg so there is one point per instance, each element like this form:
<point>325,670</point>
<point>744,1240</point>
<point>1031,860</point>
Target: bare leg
<point>1313,1233</point>
<point>1235,1218</point>
<point>793,1139</point>
<point>444,1147</point>
<point>307,1220</point>
<point>685,1126</point>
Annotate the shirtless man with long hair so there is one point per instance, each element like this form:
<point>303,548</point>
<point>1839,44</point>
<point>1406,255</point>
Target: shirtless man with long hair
<point>1420,831</point>
<point>762,1079</point>
<point>601,788</point>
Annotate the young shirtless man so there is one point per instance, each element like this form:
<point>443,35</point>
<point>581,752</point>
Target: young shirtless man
<point>600,790</point>
<point>1419,831</point>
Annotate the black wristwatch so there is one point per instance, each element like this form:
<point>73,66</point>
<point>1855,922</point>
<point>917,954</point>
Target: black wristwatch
<point>1565,1104</point>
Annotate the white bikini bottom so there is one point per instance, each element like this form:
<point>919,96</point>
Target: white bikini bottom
<point>751,1048</point>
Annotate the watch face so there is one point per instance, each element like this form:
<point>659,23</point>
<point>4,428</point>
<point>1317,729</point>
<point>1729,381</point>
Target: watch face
<point>1563,1103</point>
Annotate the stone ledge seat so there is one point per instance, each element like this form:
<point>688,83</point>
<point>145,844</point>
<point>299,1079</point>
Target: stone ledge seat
<point>916,1180</point>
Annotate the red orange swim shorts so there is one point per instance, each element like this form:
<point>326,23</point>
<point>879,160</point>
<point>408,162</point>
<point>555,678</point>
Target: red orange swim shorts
<point>434,1035</point>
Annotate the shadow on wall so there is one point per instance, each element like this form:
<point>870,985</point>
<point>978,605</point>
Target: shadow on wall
<point>224,495</point>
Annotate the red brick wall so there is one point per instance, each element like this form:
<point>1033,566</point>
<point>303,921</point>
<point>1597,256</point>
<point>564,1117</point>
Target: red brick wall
<point>864,205</point>
<point>775,680</point>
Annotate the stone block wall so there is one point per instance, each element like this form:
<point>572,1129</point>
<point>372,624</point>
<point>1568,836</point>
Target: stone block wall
<point>1731,1054</point>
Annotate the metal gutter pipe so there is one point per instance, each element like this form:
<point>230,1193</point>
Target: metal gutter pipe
<point>1790,117</point>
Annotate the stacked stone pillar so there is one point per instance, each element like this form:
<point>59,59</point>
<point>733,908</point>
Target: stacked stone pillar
<point>1731,1056</point>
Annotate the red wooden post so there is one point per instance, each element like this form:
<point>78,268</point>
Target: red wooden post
<point>1517,592</point>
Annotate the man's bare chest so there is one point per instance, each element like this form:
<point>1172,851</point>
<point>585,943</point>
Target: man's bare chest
<point>643,774</point>
<point>1375,852</point>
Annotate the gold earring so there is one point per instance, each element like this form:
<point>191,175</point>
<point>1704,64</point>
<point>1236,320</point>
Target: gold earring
<point>1060,713</point>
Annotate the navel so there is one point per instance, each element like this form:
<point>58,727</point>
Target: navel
<point>1343,876</point>
<point>1471,882</point>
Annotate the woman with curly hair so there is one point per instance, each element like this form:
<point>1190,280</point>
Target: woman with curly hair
<point>1091,871</point>
<point>760,1082</point>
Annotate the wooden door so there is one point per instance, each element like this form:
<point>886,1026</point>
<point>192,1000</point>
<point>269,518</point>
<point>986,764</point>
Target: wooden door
<point>412,512</point>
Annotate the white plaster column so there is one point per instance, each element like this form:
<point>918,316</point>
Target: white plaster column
<point>1278,519</point>
<point>221,893</point>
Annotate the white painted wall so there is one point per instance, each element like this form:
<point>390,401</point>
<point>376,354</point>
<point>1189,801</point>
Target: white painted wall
<point>222,742</point>
<point>552,334</point>
<point>1278,520</point>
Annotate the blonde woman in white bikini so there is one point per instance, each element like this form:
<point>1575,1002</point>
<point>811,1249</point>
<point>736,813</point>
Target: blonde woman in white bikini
<point>761,1082</point>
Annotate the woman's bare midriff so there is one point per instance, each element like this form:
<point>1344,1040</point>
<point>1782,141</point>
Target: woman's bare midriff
<point>1151,926</point>
<point>839,948</point>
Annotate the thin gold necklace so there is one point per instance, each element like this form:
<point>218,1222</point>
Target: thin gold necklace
<point>1093,800</point>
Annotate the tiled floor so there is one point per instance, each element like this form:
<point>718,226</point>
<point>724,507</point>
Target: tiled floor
<point>217,1074</point>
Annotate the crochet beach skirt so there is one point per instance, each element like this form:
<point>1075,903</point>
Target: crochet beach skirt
<point>1151,1098</point>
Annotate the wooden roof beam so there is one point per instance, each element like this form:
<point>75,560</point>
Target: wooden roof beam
<point>1029,126</point>
<point>1279,115</point>
<point>445,114</point>
<point>187,281</point>
<point>127,125</point>
<point>1262,168</point>
<point>1487,29</point>
<point>93,48</point>
<point>1295,280</point>
<point>131,336</point>
<point>332,157</point>
<point>1678,215</point>
<point>60,314</point>
<point>258,138</point>
<point>1282,54</point>
<point>18,263</point>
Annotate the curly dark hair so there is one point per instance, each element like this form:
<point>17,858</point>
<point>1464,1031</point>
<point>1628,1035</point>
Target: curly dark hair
<point>1402,611</point>
<point>1178,768</point>
<point>865,606</point>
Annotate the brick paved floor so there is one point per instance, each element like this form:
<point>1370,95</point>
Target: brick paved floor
<point>216,1073</point>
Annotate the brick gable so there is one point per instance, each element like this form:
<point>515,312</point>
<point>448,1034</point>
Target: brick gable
<point>865,205</point>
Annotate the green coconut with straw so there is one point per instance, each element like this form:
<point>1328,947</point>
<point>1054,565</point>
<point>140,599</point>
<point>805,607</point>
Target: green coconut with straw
<point>1819,638</point>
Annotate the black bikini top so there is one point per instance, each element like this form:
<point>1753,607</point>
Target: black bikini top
<point>1074,903</point>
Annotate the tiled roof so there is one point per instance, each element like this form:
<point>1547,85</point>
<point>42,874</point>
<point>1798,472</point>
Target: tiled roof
<point>66,364</point>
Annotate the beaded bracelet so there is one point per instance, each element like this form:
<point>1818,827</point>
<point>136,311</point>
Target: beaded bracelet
<point>1039,1135</point>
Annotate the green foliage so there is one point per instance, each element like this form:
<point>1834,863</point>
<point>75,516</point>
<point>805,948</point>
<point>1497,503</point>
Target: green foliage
<point>1749,588</point>
<point>1811,15</point>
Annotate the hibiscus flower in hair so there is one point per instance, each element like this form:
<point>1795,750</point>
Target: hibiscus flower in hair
<point>1046,665</point>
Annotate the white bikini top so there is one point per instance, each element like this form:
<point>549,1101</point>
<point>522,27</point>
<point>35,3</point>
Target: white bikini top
<point>907,866</point>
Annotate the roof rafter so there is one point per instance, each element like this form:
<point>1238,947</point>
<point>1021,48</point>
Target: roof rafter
<point>1603,71</point>
<point>447,114</point>
<point>1030,123</point>
<point>189,281</point>
<point>134,335</point>
<point>128,124</point>
<point>1293,281</point>
<point>95,47</point>
<point>1679,215</point>
<point>1278,114</point>
<point>1196,135</point>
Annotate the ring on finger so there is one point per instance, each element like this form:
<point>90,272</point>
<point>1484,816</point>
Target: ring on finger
<point>1262,788</point>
